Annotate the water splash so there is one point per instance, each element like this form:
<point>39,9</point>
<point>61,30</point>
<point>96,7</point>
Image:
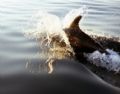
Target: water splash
<point>72,14</point>
<point>111,61</point>
<point>48,28</point>
<point>45,27</point>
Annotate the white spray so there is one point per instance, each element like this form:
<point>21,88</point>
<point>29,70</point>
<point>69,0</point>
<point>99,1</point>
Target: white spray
<point>111,62</point>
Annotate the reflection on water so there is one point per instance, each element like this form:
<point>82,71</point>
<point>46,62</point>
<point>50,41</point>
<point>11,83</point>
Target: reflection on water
<point>49,55</point>
<point>102,19</point>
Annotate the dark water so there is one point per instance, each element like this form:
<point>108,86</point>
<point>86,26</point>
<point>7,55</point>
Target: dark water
<point>68,76</point>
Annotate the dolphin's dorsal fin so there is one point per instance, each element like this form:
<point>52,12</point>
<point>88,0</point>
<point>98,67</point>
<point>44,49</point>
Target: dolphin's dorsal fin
<point>75,22</point>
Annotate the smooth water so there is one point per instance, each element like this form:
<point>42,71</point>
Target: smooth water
<point>102,18</point>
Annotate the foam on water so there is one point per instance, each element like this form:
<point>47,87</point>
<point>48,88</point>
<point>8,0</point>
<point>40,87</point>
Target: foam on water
<point>47,25</point>
<point>111,61</point>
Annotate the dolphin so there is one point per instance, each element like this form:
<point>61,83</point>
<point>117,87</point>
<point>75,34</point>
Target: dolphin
<point>80,41</point>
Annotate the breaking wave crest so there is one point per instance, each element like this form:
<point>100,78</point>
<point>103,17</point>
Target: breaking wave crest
<point>47,29</point>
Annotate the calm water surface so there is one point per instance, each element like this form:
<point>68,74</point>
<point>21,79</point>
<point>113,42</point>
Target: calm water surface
<point>103,17</point>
